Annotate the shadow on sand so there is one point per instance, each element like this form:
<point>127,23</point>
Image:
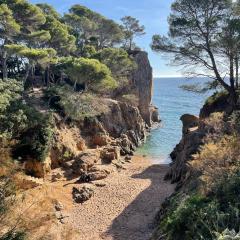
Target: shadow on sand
<point>136,222</point>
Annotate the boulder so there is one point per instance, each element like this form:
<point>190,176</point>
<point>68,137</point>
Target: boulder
<point>155,115</point>
<point>57,176</point>
<point>94,176</point>
<point>83,194</point>
<point>101,140</point>
<point>85,161</point>
<point>189,121</point>
<point>109,154</point>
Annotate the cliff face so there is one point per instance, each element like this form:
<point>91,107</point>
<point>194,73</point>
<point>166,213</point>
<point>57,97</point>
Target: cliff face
<point>113,133</point>
<point>192,137</point>
<point>143,80</point>
<point>194,132</point>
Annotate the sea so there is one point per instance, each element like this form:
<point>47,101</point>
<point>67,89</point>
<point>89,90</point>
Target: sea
<point>172,102</point>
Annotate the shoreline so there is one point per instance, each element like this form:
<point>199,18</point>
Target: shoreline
<point>124,205</point>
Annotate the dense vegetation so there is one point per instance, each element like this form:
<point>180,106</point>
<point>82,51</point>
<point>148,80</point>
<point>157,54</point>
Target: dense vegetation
<point>53,63</point>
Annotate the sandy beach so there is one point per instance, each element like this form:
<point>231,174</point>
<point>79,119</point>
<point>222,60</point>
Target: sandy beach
<point>125,208</point>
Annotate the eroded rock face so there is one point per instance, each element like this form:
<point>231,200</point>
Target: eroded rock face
<point>85,161</point>
<point>193,134</point>
<point>116,132</point>
<point>143,80</point>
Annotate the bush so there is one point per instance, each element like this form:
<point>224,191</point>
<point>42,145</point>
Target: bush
<point>191,219</point>
<point>199,217</point>
<point>216,97</point>
<point>76,106</point>
<point>37,140</point>
<point>217,160</point>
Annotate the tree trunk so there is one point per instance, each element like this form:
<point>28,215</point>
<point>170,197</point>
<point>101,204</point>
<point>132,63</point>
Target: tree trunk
<point>233,94</point>
<point>237,72</point>
<point>4,65</point>
<point>47,76</point>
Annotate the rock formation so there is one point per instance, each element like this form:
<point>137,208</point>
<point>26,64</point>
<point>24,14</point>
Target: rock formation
<point>193,134</point>
<point>103,139</point>
<point>143,80</point>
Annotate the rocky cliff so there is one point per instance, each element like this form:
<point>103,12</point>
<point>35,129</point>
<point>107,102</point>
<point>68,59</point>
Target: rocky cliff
<point>107,137</point>
<point>192,137</point>
<point>143,80</point>
<point>194,131</point>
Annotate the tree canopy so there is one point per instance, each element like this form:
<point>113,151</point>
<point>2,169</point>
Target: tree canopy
<point>204,39</point>
<point>39,44</point>
<point>131,28</point>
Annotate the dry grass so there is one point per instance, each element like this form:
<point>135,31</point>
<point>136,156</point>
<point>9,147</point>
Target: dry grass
<point>216,160</point>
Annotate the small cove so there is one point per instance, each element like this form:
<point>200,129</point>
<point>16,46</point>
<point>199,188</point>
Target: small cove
<point>172,102</point>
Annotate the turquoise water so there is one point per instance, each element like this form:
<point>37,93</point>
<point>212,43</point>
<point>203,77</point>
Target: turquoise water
<point>172,102</point>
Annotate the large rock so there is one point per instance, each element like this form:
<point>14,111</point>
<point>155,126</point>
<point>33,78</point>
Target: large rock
<point>189,121</point>
<point>85,161</point>
<point>143,80</point>
<point>108,154</point>
<point>83,194</point>
<point>193,134</point>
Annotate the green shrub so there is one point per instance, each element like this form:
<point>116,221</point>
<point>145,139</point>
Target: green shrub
<point>37,140</point>
<point>215,97</point>
<point>76,106</point>
<point>199,217</point>
<point>189,221</point>
<point>228,235</point>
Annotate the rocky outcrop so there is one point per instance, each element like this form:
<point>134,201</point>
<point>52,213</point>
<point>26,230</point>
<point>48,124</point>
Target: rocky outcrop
<point>143,81</point>
<point>218,102</point>
<point>116,132</point>
<point>193,134</point>
<point>81,195</point>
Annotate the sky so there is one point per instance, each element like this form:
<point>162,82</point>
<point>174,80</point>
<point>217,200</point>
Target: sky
<point>152,14</point>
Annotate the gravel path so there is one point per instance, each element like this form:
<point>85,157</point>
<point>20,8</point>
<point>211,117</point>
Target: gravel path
<point>125,208</point>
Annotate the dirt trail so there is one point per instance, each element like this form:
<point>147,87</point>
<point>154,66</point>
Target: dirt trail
<point>125,208</point>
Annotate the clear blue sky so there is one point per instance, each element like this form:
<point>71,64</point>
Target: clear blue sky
<point>151,13</point>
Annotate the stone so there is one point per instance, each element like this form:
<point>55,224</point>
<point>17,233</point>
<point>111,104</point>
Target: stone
<point>101,140</point>
<point>81,195</point>
<point>189,121</point>
<point>81,146</point>
<point>109,154</point>
<point>98,175</point>
<point>57,176</point>
<point>100,184</point>
<point>58,206</point>
<point>128,158</point>
<point>155,115</point>
<point>85,161</point>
